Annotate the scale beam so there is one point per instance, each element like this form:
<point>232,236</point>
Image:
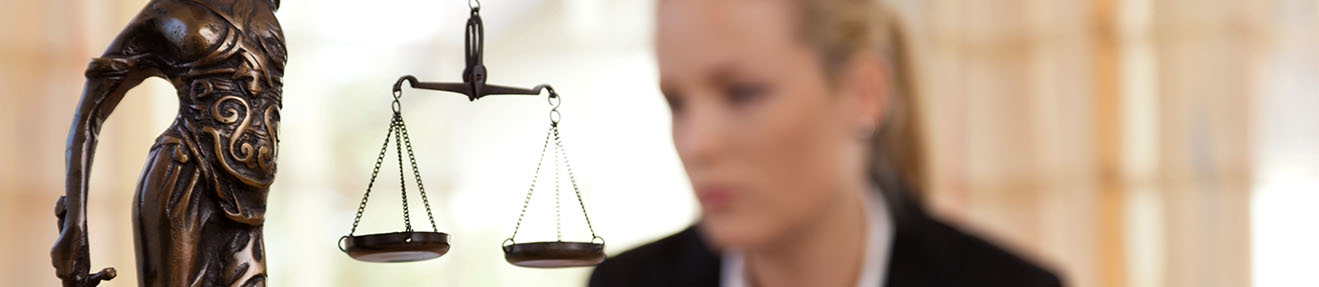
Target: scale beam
<point>473,90</point>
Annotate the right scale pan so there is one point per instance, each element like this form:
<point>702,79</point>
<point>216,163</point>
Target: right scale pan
<point>559,253</point>
<point>554,254</point>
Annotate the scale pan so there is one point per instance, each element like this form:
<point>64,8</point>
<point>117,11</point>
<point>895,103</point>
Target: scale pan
<point>555,254</point>
<point>405,246</point>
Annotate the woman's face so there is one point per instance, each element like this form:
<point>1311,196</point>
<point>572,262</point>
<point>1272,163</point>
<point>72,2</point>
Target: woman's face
<point>765,139</point>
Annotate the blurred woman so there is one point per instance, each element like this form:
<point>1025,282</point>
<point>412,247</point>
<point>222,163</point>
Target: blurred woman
<point>797,126</point>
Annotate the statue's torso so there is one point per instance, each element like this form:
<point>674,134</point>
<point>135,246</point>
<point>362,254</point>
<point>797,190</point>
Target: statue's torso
<point>228,71</point>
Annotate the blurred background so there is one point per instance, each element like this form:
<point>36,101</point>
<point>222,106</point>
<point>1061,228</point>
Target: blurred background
<point>1123,142</point>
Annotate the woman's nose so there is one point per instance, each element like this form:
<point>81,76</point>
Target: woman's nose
<point>700,135</point>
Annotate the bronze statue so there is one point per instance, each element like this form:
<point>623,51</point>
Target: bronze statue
<point>201,201</point>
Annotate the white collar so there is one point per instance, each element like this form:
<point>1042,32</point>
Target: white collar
<point>879,241</point>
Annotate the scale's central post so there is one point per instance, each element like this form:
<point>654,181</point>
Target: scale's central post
<point>412,245</point>
<point>474,75</point>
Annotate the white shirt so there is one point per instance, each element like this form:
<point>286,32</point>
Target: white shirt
<point>879,239</point>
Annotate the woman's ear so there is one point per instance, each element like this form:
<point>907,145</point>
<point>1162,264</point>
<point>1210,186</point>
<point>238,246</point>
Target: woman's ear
<point>868,87</point>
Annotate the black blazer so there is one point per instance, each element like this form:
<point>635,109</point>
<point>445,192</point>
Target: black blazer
<point>925,252</point>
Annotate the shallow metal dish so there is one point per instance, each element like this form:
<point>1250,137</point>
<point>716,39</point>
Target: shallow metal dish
<point>554,254</point>
<point>405,246</point>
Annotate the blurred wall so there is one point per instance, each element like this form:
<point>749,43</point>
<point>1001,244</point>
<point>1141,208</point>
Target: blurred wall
<point>1124,142</point>
<point>1129,142</point>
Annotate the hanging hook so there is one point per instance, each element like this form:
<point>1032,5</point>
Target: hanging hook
<point>555,117</point>
<point>397,106</point>
<point>474,4</point>
<point>554,101</point>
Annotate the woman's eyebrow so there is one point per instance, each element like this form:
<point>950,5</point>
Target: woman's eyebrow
<point>724,73</point>
<point>718,73</point>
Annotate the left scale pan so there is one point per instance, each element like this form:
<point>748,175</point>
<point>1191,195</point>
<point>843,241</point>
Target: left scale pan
<point>405,246</point>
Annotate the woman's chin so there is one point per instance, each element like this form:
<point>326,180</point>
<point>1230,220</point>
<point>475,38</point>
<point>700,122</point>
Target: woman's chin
<point>733,234</point>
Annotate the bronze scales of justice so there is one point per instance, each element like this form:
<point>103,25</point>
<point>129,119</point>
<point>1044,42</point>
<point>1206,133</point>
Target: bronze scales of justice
<point>200,205</point>
<point>412,245</point>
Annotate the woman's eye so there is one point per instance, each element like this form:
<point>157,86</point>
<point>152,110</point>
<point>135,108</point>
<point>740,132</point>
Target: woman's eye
<point>741,94</point>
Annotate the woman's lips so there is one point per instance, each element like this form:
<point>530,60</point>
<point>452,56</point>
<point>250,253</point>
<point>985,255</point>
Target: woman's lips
<point>714,197</point>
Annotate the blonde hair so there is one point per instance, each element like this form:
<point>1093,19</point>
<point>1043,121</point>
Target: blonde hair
<point>838,29</point>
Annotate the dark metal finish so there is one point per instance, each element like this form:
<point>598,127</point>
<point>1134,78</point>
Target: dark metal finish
<point>535,254</point>
<point>555,254</point>
<point>473,91</point>
<point>405,246</point>
<point>201,202</point>
<point>474,75</point>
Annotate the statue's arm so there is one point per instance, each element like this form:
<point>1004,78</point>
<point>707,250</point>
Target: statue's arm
<point>126,63</point>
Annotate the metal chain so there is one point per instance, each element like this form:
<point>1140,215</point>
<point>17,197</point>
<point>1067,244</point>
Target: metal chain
<point>558,142</point>
<point>374,171</point>
<point>558,220</point>
<point>560,158</point>
<point>399,130</point>
<point>534,177</point>
<point>407,142</point>
<point>402,183</point>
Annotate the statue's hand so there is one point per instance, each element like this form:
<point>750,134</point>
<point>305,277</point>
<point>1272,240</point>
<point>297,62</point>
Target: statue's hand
<point>70,254</point>
<point>103,275</point>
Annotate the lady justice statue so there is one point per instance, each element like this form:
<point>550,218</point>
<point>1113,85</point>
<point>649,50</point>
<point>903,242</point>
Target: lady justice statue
<point>201,200</point>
